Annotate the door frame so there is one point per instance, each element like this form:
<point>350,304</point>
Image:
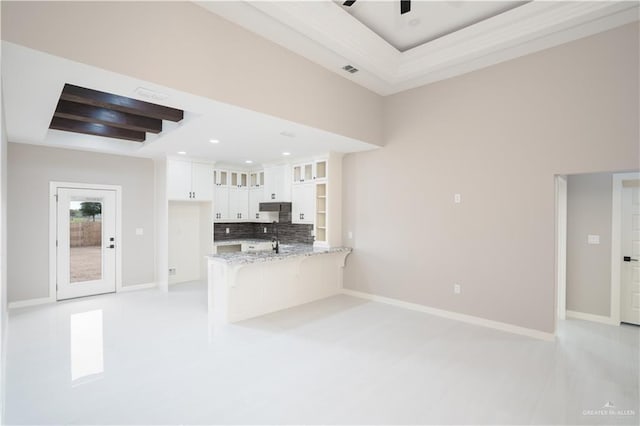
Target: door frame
<point>561,247</point>
<point>616,241</point>
<point>53,265</point>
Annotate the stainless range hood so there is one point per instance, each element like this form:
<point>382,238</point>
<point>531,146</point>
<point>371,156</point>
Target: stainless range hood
<point>282,208</point>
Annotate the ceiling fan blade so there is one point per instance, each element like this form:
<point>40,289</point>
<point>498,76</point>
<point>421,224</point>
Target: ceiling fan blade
<point>348,3</point>
<point>405,6</point>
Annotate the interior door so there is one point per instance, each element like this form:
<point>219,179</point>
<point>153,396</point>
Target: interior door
<point>86,245</point>
<point>630,285</point>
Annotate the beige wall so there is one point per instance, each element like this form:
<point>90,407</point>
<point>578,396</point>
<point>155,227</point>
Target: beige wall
<point>184,241</point>
<point>588,265</point>
<point>30,170</point>
<point>185,47</point>
<point>496,136</point>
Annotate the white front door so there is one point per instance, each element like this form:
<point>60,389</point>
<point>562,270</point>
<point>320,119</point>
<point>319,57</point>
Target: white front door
<point>630,276</point>
<point>86,245</point>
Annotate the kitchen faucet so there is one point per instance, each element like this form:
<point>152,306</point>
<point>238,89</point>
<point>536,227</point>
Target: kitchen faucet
<point>274,239</point>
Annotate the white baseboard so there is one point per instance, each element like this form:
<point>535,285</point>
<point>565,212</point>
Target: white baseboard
<point>469,319</point>
<point>590,317</point>
<point>136,287</point>
<point>30,302</point>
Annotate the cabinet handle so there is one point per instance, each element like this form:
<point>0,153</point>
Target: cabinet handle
<point>257,215</point>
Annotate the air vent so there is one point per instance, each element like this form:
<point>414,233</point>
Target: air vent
<point>350,69</point>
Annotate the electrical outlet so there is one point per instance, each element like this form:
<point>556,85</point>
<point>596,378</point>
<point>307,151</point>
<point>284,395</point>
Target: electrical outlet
<point>172,271</point>
<point>139,231</point>
<point>456,288</point>
<point>265,230</point>
<point>226,230</point>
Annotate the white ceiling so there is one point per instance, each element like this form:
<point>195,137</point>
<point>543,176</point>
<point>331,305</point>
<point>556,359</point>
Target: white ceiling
<point>427,20</point>
<point>32,82</point>
<point>324,32</point>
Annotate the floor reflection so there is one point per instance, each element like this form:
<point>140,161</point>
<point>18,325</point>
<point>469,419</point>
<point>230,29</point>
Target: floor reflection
<point>87,347</point>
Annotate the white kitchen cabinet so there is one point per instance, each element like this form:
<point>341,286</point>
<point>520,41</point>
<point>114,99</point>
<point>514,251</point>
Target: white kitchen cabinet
<point>303,203</point>
<point>189,181</point>
<point>310,171</point>
<point>178,180</point>
<point>239,179</point>
<point>256,196</point>
<point>238,204</point>
<point>256,179</point>
<point>277,183</point>
<point>221,203</point>
<point>221,177</point>
<point>302,173</point>
<point>202,181</point>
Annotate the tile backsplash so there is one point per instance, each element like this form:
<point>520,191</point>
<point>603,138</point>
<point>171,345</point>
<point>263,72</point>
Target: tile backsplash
<point>287,232</point>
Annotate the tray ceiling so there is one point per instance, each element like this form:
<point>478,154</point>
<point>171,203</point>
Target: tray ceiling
<point>324,32</point>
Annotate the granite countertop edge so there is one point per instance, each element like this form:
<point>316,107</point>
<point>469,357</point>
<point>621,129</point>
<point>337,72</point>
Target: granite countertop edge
<point>289,251</point>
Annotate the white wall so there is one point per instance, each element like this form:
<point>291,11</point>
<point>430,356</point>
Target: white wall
<point>589,265</point>
<point>497,136</point>
<point>30,169</point>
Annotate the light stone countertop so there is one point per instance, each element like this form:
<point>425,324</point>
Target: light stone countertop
<point>241,241</point>
<point>287,251</point>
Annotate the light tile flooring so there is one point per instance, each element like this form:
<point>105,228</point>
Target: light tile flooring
<point>152,358</point>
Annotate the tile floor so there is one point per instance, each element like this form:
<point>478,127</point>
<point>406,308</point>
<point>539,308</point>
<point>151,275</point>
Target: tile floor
<point>148,357</point>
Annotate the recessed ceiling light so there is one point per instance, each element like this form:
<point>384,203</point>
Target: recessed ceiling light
<point>182,152</point>
<point>286,153</point>
<point>414,22</point>
<point>214,141</point>
<point>248,161</point>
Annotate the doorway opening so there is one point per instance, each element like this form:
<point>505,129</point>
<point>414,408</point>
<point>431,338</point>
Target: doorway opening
<point>85,239</point>
<point>597,245</point>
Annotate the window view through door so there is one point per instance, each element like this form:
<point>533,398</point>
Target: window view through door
<point>85,234</point>
<point>86,242</point>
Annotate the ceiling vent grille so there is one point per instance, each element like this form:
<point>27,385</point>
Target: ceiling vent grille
<point>350,69</point>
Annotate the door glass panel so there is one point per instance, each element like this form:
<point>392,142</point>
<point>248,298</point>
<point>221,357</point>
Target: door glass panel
<point>85,240</point>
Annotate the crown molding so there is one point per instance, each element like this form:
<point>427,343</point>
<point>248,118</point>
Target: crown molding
<point>324,33</point>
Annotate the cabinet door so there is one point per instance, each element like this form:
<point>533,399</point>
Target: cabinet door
<point>202,181</point>
<point>221,177</point>
<point>320,169</point>
<point>256,196</point>
<point>221,203</point>
<point>302,204</point>
<point>238,204</point>
<point>178,180</point>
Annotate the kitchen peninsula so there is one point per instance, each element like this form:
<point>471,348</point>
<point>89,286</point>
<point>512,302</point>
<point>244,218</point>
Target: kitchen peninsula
<point>243,285</point>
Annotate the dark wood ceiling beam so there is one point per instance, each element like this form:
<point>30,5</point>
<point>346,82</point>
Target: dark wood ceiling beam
<point>109,117</point>
<point>119,103</point>
<point>96,129</point>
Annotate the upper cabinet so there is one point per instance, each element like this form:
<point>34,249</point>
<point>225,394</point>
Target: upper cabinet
<point>309,172</point>
<point>239,179</point>
<point>277,183</point>
<point>221,177</point>
<point>188,180</point>
<point>256,179</point>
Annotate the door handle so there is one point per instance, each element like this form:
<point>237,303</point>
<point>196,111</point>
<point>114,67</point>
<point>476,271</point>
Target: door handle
<point>629,259</point>
<point>111,246</point>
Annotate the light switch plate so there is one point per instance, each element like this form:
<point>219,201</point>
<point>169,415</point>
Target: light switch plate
<point>139,231</point>
<point>457,198</point>
<point>226,230</point>
<point>350,235</point>
<point>593,239</point>
<point>456,288</point>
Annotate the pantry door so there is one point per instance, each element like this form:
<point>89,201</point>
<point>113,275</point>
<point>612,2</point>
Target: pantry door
<point>86,244</point>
